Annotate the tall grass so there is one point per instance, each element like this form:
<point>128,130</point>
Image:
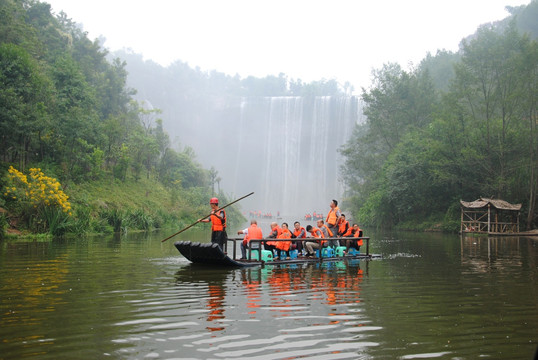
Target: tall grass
<point>3,225</point>
<point>115,217</point>
<point>57,221</point>
<point>139,220</point>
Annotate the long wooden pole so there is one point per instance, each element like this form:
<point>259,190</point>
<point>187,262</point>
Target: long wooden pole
<point>205,217</point>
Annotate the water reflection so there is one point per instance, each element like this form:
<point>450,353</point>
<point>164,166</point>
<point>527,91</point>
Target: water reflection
<point>285,310</point>
<point>134,297</point>
<point>483,252</point>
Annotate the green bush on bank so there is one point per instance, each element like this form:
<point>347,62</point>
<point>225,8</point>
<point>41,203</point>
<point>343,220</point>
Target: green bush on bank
<point>107,206</point>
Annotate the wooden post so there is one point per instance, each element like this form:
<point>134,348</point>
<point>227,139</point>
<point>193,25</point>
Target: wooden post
<point>489,218</point>
<point>461,223</point>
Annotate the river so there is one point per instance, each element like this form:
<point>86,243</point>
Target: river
<point>134,297</point>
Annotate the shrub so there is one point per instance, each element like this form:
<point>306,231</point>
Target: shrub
<point>38,198</point>
<point>115,217</point>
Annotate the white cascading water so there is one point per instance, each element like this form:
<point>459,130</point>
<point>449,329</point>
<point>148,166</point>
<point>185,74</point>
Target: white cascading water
<point>286,151</point>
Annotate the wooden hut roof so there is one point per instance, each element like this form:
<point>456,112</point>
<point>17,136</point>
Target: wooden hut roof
<point>497,203</point>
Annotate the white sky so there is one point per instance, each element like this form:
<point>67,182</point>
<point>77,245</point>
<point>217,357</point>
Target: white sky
<point>308,40</point>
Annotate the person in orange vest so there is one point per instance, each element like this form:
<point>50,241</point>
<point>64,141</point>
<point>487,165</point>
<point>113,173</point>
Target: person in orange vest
<point>333,217</point>
<point>355,232</point>
<point>251,233</point>
<point>343,226</point>
<point>327,233</point>
<point>299,232</point>
<point>218,224</point>
<point>275,232</point>
<point>317,244</point>
<point>284,245</point>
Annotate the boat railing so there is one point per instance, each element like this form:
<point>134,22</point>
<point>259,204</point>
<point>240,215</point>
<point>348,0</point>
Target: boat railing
<point>256,244</point>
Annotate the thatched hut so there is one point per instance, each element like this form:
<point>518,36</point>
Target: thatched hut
<point>490,216</point>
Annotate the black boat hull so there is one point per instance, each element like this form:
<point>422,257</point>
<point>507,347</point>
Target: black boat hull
<point>210,253</point>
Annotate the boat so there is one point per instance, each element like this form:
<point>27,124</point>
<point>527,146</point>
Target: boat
<point>212,254</point>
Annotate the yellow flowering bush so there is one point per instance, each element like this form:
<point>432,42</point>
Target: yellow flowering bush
<point>36,189</point>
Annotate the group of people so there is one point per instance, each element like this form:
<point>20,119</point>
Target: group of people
<point>335,226</point>
<point>322,235</point>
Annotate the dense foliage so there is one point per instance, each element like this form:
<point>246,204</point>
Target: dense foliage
<point>66,113</point>
<point>458,126</point>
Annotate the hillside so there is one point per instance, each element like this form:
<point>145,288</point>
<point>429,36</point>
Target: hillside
<point>76,151</point>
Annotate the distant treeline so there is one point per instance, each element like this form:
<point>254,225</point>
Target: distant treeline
<point>458,126</point>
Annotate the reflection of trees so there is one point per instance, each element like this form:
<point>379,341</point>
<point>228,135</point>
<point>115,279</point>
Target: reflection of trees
<point>38,286</point>
<point>481,252</point>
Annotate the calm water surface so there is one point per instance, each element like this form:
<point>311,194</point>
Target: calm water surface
<point>133,297</point>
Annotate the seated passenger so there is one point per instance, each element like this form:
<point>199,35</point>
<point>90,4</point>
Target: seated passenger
<point>327,233</point>
<point>271,245</point>
<point>284,245</point>
<point>251,233</point>
<point>355,232</point>
<point>299,232</point>
<point>343,226</point>
<point>317,244</point>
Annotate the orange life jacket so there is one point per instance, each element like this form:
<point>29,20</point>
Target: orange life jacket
<point>298,232</point>
<point>349,232</point>
<point>254,232</point>
<point>283,245</point>
<point>286,234</point>
<point>343,227</point>
<point>218,224</point>
<point>358,234</point>
<point>278,230</point>
<point>317,233</point>
<point>331,216</point>
<point>329,232</point>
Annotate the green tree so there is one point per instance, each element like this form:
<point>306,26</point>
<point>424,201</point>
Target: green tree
<point>488,92</point>
<point>399,103</point>
<point>23,95</point>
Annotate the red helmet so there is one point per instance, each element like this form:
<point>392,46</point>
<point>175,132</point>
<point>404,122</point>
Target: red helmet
<point>214,201</point>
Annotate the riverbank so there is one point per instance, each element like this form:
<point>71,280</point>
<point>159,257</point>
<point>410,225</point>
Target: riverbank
<point>107,206</point>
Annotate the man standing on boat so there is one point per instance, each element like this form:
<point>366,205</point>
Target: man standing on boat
<point>333,218</point>
<point>218,224</point>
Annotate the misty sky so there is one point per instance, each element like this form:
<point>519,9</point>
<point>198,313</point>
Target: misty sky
<point>308,40</point>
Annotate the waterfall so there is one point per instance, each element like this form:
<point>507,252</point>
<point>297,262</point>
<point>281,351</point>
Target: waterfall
<point>286,151</point>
